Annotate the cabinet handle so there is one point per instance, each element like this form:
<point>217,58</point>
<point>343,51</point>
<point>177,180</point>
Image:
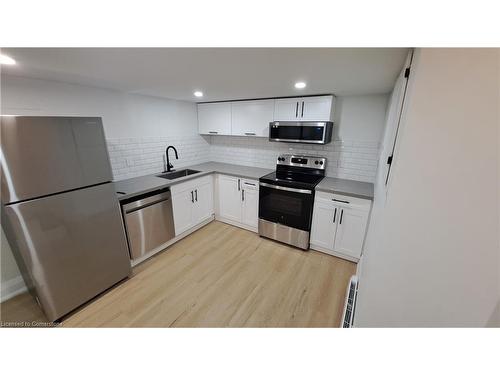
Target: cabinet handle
<point>239,187</point>
<point>249,133</point>
<point>341,216</point>
<point>335,214</point>
<point>213,132</point>
<point>297,109</point>
<point>302,111</point>
<point>196,195</point>
<point>192,197</point>
<point>341,201</point>
<point>243,195</point>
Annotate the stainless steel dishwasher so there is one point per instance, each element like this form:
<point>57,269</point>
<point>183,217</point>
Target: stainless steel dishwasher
<point>149,222</point>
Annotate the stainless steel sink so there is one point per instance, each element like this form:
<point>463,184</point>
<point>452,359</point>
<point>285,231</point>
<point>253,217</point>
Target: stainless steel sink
<point>177,174</point>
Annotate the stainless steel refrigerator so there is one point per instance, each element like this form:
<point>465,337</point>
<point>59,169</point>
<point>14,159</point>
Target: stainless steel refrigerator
<point>59,209</point>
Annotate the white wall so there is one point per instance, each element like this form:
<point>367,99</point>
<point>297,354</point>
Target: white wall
<point>432,251</point>
<point>360,118</point>
<point>124,115</point>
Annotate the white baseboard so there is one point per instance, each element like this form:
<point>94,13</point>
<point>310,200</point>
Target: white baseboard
<point>236,224</point>
<point>334,253</point>
<point>12,288</point>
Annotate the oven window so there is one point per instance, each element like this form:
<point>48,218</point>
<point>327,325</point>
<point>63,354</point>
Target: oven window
<point>285,207</point>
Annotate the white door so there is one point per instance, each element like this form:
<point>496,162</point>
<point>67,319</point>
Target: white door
<point>214,118</point>
<point>230,197</point>
<point>250,197</point>
<point>324,223</point>
<point>182,205</point>
<point>392,120</point>
<point>286,109</point>
<point>203,203</point>
<point>252,118</point>
<point>351,231</point>
<point>316,108</point>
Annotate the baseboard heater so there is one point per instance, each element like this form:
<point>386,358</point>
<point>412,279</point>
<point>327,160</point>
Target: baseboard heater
<point>350,303</point>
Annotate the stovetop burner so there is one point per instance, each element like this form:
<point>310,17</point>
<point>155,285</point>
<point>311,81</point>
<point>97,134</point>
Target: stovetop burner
<point>297,171</point>
<point>292,179</point>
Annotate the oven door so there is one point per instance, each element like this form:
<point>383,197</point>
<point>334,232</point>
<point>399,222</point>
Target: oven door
<point>285,205</point>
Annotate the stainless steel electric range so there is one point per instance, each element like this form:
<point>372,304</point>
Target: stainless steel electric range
<point>286,199</point>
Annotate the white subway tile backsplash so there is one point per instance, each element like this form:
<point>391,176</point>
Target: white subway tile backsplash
<point>131,157</point>
<point>349,159</point>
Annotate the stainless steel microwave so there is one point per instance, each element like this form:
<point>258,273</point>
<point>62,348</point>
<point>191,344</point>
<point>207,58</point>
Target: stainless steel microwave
<point>301,131</point>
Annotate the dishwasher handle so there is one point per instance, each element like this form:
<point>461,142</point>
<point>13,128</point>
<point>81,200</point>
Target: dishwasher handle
<point>147,201</point>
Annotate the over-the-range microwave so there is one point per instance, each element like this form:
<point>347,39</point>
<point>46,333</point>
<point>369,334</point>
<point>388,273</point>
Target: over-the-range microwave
<point>301,131</point>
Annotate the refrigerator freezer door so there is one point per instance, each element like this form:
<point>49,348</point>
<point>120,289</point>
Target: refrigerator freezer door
<point>72,244</point>
<point>46,155</point>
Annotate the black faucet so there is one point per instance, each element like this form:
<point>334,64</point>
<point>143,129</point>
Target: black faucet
<point>170,166</point>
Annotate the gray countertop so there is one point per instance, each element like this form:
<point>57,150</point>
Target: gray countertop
<point>145,184</point>
<point>351,188</point>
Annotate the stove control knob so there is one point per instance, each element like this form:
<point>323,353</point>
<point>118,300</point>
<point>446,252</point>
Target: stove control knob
<point>316,162</point>
<point>321,162</point>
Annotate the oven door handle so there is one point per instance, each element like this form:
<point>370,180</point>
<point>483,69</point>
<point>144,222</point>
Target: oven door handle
<point>277,187</point>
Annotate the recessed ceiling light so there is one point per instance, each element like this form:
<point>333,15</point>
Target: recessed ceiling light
<point>198,94</point>
<point>6,60</point>
<point>300,85</point>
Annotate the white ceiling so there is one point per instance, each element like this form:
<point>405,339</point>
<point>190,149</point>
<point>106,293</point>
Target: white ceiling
<point>221,73</point>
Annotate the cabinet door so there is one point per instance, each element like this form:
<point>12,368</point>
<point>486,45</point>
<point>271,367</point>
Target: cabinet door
<point>230,197</point>
<point>250,198</point>
<point>351,231</point>
<point>204,204</point>
<point>316,108</point>
<point>286,109</point>
<point>252,118</point>
<point>324,223</point>
<point>182,206</point>
<point>214,118</point>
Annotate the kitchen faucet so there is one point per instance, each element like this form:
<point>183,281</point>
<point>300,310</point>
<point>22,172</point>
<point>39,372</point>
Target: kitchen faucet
<point>169,165</point>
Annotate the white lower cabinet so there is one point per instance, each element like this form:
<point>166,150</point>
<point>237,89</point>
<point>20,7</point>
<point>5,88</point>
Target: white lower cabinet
<point>339,225</point>
<point>238,201</point>
<point>192,203</point>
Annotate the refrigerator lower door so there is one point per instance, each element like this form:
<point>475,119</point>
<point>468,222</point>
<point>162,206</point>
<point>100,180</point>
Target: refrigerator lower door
<point>72,246</point>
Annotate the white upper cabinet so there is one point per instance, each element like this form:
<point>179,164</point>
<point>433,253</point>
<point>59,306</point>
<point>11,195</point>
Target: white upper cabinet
<point>286,109</point>
<point>252,117</point>
<point>309,108</point>
<point>214,118</point>
<point>317,108</point>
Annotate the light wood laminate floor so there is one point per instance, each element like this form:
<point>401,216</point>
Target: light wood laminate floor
<point>219,276</point>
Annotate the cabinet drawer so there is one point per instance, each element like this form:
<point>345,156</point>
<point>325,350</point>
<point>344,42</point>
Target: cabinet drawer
<point>344,200</point>
<point>250,184</point>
